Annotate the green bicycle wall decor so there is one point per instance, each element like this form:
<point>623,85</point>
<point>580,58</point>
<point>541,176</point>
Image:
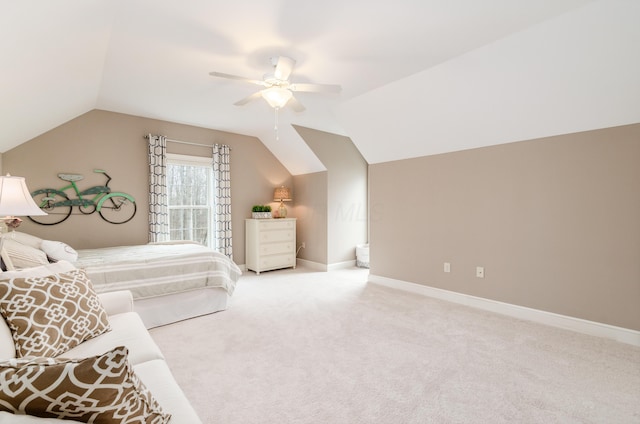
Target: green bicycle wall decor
<point>114,207</point>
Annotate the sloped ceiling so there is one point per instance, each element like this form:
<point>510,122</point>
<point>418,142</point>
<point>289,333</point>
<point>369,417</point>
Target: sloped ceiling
<point>574,72</point>
<point>419,76</point>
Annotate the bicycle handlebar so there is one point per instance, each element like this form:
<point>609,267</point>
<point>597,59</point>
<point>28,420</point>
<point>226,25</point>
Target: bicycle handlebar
<point>102,171</point>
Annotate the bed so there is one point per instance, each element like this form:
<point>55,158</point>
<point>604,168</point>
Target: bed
<point>169,281</point>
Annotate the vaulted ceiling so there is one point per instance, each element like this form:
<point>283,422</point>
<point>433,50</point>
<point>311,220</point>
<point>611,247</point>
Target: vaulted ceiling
<point>418,77</point>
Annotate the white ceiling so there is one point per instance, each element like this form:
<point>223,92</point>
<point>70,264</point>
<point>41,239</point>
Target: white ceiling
<point>419,77</point>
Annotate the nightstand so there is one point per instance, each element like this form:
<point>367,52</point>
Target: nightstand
<point>270,244</point>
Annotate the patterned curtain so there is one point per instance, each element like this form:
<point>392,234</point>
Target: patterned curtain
<point>222,198</point>
<point>158,211</point>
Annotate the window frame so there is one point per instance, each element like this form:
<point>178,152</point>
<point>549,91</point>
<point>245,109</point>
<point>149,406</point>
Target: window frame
<point>202,161</point>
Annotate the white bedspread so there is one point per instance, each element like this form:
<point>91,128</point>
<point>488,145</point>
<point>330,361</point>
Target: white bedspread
<point>158,269</point>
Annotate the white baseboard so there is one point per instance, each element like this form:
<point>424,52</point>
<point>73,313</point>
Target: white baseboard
<point>317,266</point>
<point>341,265</point>
<point>623,335</point>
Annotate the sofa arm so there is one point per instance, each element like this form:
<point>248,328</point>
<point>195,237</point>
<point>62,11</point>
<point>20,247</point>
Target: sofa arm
<point>117,302</point>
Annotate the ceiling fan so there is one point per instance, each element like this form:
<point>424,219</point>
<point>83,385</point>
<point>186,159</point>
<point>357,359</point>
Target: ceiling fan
<point>278,90</point>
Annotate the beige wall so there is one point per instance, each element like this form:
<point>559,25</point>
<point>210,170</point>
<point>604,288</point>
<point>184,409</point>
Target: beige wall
<point>114,142</point>
<point>555,222</point>
<point>347,194</point>
<point>310,198</point>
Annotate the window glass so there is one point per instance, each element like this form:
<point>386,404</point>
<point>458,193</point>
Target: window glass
<point>190,194</point>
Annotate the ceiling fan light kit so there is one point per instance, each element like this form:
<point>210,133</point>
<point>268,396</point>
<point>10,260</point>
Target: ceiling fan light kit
<point>278,91</point>
<point>277,97</point>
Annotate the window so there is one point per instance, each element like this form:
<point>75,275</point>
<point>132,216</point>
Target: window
<point>190,197</point>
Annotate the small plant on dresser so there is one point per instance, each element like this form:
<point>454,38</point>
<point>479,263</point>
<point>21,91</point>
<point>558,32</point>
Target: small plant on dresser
<point>261,211</point>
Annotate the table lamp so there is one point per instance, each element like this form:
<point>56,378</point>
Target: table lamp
<point>15,199</point>
<point>282,194</point>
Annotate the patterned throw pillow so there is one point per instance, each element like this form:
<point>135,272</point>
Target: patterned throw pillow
<point>48,315</point>
<point>101,389</point>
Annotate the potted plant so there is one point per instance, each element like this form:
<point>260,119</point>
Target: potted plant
<point>261,211</point>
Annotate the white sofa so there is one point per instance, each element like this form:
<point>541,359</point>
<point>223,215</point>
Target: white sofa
<point>146,358</point>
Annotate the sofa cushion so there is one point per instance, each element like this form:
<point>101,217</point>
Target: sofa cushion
<point>100,389</point>
<point>48,315</point>
<point>126,330</point>
<point>157,376</point>
<point>7,347</point>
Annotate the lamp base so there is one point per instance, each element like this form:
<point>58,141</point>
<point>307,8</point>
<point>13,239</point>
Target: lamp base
<point>9,223</point>
<point>282,211</point>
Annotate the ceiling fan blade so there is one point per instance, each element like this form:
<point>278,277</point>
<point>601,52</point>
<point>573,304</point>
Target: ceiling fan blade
<point>316,88</point>
<point>238,78</point>
<point>295,105</point>
<point>247,99</point>
<point>284,68</point>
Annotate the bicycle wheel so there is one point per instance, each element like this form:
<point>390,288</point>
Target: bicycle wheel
<point>117,209</point>
<point>48,200</point>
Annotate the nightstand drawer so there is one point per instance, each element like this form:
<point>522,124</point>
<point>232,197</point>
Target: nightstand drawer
<point>276,224</point>
<point>277,261</point>
<point>276,236</point>
<point>276,248</point>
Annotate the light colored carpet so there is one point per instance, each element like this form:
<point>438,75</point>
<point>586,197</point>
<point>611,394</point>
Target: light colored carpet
<point>298,346</point>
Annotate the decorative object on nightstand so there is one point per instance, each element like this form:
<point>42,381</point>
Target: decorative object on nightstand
<point>15,199</point>
<point>282,194</point>
<point>270,244</point>
<point>261,212</point>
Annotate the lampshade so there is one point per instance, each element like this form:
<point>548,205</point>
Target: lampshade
<point>282,194</point>
<point>276,97</point>
<point>15,199</point>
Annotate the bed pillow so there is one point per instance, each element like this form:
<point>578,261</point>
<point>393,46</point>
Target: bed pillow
<point>100,389</point>
<point>23,255</point>
<point>59,251</point>
<point>48,315</point>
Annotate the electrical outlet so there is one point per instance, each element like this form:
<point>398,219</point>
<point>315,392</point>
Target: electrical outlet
<point>447,267</point>
<point>304,245</point>
<point>480,272</point>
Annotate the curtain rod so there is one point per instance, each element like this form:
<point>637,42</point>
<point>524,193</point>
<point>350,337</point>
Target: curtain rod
<point>186,142</point>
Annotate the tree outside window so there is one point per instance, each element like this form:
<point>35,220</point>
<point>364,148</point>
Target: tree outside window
<point>190,197</point>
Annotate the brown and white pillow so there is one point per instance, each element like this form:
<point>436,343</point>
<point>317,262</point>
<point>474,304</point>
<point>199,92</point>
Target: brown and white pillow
<point>99,389</point>
<point>48,315</point>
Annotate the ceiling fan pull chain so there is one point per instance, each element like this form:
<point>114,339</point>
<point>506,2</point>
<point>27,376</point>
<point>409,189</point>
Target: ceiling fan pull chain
<point>276,123</point>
